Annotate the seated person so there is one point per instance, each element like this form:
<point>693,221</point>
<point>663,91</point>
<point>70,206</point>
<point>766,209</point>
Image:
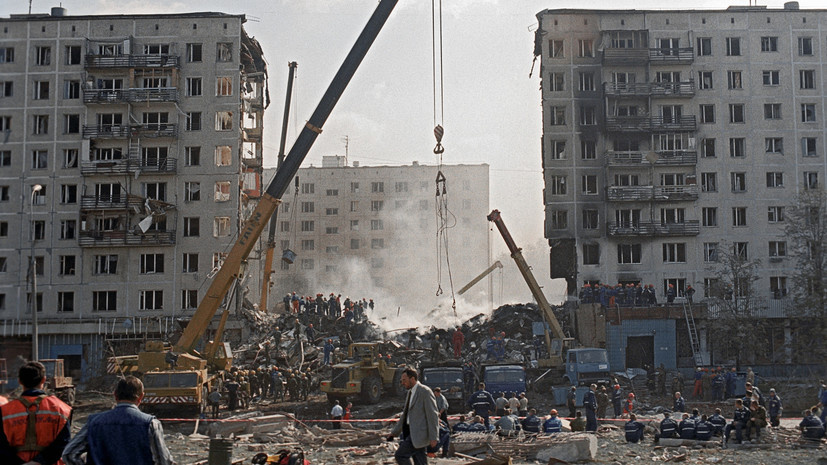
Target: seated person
<point>462,425</point>
<point>579,423</point>
<point>718,423</point>
<point>553,424</point>
<point>634,429</point>
<point>703,429</point>
<point>738,423</point>
<point>686,428</point>
<point>508,424</point>
<point>443,443</point>
<point>757,419</point>
<point>532,423</point>
<point>811,426</point>
<point>478,425</point>
<point>668,427</point>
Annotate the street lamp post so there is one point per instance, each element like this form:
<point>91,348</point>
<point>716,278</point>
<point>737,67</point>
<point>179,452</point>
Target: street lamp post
<point>33,269</point>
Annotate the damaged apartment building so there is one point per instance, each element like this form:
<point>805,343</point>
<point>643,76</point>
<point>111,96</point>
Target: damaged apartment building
<point>130,152</point>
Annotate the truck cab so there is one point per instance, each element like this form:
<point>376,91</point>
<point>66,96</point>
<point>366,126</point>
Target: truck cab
<point>587,366</point>
<point>503,379</point>
<point>448,376</point>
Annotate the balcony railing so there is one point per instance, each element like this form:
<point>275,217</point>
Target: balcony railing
<point>625,55</point>
<point>647,193</point>
<point>649,228</point>
<point>673,158</point>
<point>655,89</point>
<point>130,166</point>
<point>650,123</point>
<point>119,202</point>
<point>106,131</point>
<point>672,55</point>
<point>132,61</point>
<point>156,129</point>
<point>136,95</point>
<point>123,238</point>
<point>673,89</point>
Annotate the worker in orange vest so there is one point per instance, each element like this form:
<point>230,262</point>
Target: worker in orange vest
<point>35,426</point>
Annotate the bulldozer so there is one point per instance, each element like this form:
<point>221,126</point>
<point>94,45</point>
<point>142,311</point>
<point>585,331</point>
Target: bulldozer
<point>61,386</point>
<point>363,373</point>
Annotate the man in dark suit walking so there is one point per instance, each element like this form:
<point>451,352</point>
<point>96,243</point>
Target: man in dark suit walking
<point>418,427</point>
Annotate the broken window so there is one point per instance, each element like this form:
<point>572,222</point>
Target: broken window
<point>222,191</point>
<point>223,154</point>
<point>221,226</point>
<point>223,120</point>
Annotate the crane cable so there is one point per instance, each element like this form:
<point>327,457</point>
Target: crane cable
<point>444,218</point>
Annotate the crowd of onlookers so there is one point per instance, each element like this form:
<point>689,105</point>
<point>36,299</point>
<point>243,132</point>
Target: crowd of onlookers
<point>631,295</point>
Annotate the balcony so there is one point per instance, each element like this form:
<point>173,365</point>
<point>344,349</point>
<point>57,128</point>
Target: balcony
<point>646,89</point>
<point>671,158</point>
<point>673,89</point>
<point>251,134</point>
<point>118,202</point>
<point>649,228</point>
<point>106,131</point>
<point>625,56</point>
<point>137,95</point>
<point>685,55</point>
<point>133,61</point>
<point>650,193</point>
<point>123,238</point>
<point>650,123</point>
<point>156,129</point>
<point>129,166</point>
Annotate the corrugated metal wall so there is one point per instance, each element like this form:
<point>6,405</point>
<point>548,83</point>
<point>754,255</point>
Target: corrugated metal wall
<point>663,332</point>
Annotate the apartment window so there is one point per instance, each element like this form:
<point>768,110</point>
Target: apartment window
<point>192,191</point>
<point>769,44</point>
<point>559,219</point>
<point>155,190</point>
<point>71,90</point>
<point>771,78</point>
<point>376,225</point>
<point>586,82</point>
<point>811,180</point>
<point>106,264</point>
<point>626,179</point>
<point>591,219</point>
<point>809,146</point>
<point>71,124</point>
<point>588,115</point>
<point>668,46</point>
<point>222,191</point>
<point>150,300</point>
<point>589,184</point>
<point>189,263</point>
<point>738,180</point>
<point>41,90</point>
<point>104,301</point>
<point>808,112</point>
<point>40,160</point>
<point>308,188</point>
<point>555,49</point>
<point>354,205</point>
<point>400,187</point>
<point>741,250</point>
<point>6,55</point>
<point>772,111</point>
<point>223,86</point>
<point>709,182</point>
<point>4,232</point>
<point>223,121</point>
<point>556,82</point>
<point>377,243</point>
<point>67,229</point>
<point>558,150</point>
<point>710,216</point>
<point>778,286</point>
<point>711,287</point>
<point>704,80</point>
<point>736,112</point>
<point>704,46</point>
<point>68,193</point>
<point>707,113</point>
<point>778,249</point>
<point>308,226</point>
<point>194,86</point>
<point>38,230</point>
<point>805,46</point>
<point>674,252</point>
<point>774,145</point>
<point>354,188</point>
<point>156,121</point>
<point>775,179</point>
<point>588,150</point>
<point>221,226</point>
<point>377,187</point>
<point>5,157</point>
<point>354,225</point>
<point>4,194</point>
<point>308,244</point>
<point>66,264</point>
<point>192,226</point>
<point>223,155</point>
<point>189,299</point>
<point>807,78</point>
<point>152,263</point>
<point>586,48</point>
<point>710,252</point>
<point>708,148</point>
<point>43,56</point>
<point>557,185</point>
<point>734,80</point>
<point>591,254</point>
<point>628,253</point>
<point>6,88</point>
<point>775,214</point>
<point>331,211</point>
<point>194,53</point>
<point>218,259</point>
<point>557,116</point>
<point>733,46</point>
<point>65,302</point>
<point>224,52</point>
<point>377,205</point>
<point>739,216</point>
<point>737,147</point>
<point>41,124</point>
<point>308,207</point>
<point>354,244</point>
<point>193,156</point>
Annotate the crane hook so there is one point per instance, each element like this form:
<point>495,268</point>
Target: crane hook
<point>438,133</point>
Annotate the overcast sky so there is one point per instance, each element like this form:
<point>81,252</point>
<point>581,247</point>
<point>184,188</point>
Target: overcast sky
<point>491,107</point>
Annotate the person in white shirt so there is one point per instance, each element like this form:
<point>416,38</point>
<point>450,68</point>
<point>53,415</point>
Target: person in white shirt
<point>336,413</point>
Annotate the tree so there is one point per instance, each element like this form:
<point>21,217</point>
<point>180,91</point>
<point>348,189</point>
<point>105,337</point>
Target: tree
<point>737,328</point>
<point>806,228</point>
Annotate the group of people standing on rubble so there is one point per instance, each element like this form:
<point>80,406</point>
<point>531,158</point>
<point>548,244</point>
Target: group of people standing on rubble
<point>630,295</point>
<point>238,387</point>
<point>331,306</point>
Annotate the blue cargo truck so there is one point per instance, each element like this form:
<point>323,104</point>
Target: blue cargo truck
<point>503,379</point>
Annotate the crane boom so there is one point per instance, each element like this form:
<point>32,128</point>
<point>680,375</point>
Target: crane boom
<point>485,273</point>
<point>252,228</point>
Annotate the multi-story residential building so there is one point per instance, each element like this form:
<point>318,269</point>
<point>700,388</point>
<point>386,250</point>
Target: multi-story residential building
<point>377,232</point>
<point>144,135</point>
<point>668,135</point>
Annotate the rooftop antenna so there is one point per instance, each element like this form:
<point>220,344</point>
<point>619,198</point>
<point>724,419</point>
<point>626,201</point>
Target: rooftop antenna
<point>346,140</point>
<point>30,6</point>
